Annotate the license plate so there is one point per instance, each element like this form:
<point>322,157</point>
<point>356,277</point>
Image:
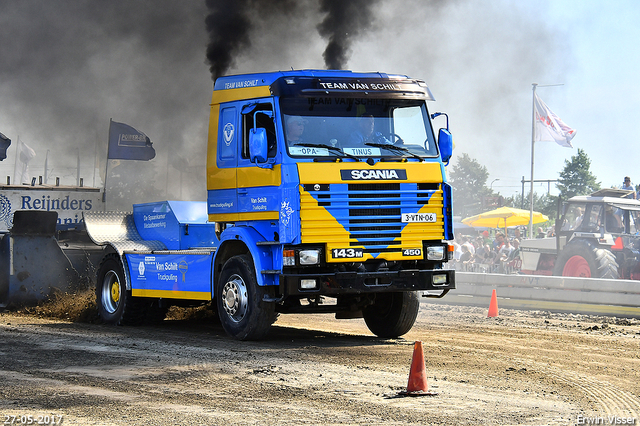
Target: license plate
<point>419,217</point>
<point>347,253</point>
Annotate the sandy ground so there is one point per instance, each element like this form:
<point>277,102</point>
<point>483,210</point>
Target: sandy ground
<point>521,368</point>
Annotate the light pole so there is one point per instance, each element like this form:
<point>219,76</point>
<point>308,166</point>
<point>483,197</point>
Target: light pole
<point>491,186</point>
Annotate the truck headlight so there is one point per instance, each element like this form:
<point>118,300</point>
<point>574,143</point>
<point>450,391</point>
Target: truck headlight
<point>309,257</point>
<point>435,253</point>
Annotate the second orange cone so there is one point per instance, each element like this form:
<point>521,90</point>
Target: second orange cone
<point>417,385</point>
<point>493,305</point>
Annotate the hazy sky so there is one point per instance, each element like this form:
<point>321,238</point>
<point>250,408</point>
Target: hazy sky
<point>67,67</point>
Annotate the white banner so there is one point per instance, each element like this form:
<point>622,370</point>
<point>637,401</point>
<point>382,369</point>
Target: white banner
<point>549,127</point>
<point>68,202</point>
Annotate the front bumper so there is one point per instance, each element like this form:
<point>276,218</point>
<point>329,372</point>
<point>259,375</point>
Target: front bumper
<point>352,282</point>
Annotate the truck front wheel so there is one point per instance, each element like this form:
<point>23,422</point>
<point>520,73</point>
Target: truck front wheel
<point>392,314</point>
<point>114,301</point>
<point>243,312</point>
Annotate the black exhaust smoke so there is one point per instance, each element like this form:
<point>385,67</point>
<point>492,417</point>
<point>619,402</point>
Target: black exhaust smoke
<point>345,20</point>
<point>229,25</point>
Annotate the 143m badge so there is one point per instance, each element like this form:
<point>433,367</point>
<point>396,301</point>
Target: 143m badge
<point>348,253</point>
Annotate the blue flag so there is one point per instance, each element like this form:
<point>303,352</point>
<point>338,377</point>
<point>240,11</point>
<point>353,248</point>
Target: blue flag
<point>127,143</point>
<point>4,144</point>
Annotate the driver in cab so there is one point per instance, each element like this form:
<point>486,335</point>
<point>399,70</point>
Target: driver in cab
<point>365,132</point>
<point>295,128</point>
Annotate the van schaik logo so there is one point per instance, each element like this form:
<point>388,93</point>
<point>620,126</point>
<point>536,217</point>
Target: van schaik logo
<point>5,211</point>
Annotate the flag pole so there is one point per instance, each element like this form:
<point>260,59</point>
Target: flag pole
<point>533,139</point>
<point>106,170</point>
<point>78,168</point>
<point>46,168</point>
<point>15,167</point>
<point>533,142</point>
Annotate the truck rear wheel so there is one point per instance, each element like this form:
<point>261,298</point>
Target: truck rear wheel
<point>583,259</point>
<point>392,314</point>
<point>114,301</point>
<point>243,312</point>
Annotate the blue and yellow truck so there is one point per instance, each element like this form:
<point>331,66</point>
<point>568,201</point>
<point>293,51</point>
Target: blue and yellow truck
<point>326,193</point>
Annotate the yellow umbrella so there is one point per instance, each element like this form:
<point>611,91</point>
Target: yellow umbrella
<point>503,217</point>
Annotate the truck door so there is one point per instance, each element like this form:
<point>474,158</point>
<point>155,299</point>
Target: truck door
<point>258,185</point>
<point>223,197</point>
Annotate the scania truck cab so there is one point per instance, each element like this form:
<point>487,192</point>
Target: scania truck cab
<point>326,193</point>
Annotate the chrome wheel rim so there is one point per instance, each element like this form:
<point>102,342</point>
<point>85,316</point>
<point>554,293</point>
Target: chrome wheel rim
<point>235,298</point>
<point>111,292</point>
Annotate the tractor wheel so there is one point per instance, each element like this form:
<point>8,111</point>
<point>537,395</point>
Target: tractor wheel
<point>243,312</point>
<point>583,259</point>
<point>114,301</point>
<point>392,314</point>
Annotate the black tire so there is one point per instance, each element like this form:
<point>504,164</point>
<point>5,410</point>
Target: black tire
<point>243,312</point>
<point>115,303</point>
<point>392,314</point>
<point>581,258</point>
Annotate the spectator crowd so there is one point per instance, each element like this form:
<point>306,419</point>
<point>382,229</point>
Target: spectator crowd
<point>484,253</point>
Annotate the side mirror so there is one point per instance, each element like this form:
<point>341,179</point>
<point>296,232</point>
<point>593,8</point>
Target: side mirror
<point>258,145</point>
<point>445,143</point>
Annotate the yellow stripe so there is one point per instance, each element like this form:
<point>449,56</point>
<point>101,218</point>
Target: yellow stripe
<point>170,294</point>
<point>229,95</point>
<point>242,177</point>
<point>249,177</point>
<point>213,173</point>
<point>330,172</point>
<point>233,217</point>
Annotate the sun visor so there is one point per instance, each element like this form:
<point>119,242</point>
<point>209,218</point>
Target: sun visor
<point>344,87</point>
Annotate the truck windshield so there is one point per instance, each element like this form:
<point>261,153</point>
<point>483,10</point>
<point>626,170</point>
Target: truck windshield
<point>317,127</point>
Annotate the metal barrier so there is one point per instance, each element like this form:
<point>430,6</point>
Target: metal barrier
<point>511,267</point>
<point>567,294</point>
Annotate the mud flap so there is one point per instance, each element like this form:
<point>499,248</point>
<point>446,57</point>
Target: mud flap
<point>36,266</point>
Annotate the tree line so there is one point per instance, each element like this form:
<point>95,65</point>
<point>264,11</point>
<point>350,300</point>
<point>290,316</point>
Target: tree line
<point>472,196</point>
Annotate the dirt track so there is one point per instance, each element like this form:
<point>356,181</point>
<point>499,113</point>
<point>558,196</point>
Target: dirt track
<point>531,368</point>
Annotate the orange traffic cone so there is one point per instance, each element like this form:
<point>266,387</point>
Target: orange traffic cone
<point>493,305</point>
<point>417,385</point>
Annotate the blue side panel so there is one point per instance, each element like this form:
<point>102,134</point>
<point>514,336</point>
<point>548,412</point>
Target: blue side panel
<point>259,198</point>
<point>289,208</point>
<point>448,211</point>
<point>227,138</point>
<point>222,201</point>
<point>262,255</point>
<point>170,272</point>
<point>180,225</point>
<point>156,221</point>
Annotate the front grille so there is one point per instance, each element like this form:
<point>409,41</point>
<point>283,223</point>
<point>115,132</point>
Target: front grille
<point>377,202</point>
<point>369,215</point>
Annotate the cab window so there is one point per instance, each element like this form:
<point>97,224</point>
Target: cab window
<point>262,120</point>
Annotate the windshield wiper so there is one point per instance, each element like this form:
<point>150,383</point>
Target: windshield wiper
<point>394,148</point>
<point>329,147</point>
